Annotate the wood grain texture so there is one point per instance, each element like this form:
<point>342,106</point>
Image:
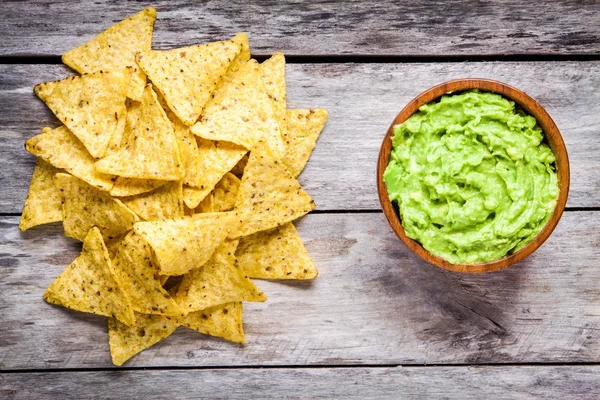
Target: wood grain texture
<point>514,382</point>
<point>553,139</point>
<point>373,303</point>
<point>362,100</point>
<point>44,27</point>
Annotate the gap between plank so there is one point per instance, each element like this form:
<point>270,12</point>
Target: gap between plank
<point>358,58</point>
<point>340,366</point>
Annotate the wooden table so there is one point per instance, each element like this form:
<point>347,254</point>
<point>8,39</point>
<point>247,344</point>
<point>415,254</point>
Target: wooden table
<point>377,322</point>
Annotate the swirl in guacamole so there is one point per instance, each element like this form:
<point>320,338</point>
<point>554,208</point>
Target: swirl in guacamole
<point>470,175</point>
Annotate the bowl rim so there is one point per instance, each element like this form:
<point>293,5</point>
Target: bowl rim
<point>551,135</point>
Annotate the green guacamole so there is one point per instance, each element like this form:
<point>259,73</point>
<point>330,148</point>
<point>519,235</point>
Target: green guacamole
<point>471,177</point>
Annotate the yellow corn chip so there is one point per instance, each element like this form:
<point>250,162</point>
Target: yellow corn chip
<point>303,128</point>
<point>166,202</point>
<point>206,205</point>
<point>187,76</point>
<point>89,284</point>
<point>115,49</point>
<point>130,186</point>
<point>275,254</point>
<point>91,106</point>
<point>193,196</point>
<point>224,321</point>
<point>85,207</point>
<point>219,281</point>
<point>126,341</point>
<point>63,150</point>
<point>241,112</point>
<point>212,161</point>
<point>151,150</point>
<point>225,192</point>
<point>268,195</point>
<point>181,245</point>
<point>44,202</point>
<point>238,170</point>
<point>273,75</point>
<point>240,59</point>
<point>140,279</point>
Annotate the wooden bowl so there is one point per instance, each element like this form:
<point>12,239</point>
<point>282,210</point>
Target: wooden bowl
<point>552,138</point>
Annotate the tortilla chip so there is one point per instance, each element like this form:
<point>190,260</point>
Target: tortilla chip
<point>115,49</point>
<point>241,112</point>
<point>125,341</point>
<point>225,192</point>
<point>219,281</point>
<point>206,205</point>
<point>89,284</point>
<point>212,161</point>
<point>303,128</point>
<point>90,105</point>
<point>224,321</point>
<point>151,150</point>
<point>187,76</point>
<point>44,202</point>
<point>238,170</point>
<point>63,150</point>
<point>193,196</point>
<point>139,277</point>
<point>268,195</point>
<point>85,207</point>
<point>181,245</point>
<point>240,59</point>
<point>273,75</point>
<point>275,254</point>
<point>125,187</point>
<point>166,202</point>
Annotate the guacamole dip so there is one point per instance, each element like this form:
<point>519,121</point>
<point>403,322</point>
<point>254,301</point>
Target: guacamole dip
<point>471,177</point>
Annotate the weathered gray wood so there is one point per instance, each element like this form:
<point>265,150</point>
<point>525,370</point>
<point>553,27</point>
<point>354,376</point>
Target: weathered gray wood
<point>329,27</point>
<point>362,100</point>
<point>514,382</point>
<point>373,303</point>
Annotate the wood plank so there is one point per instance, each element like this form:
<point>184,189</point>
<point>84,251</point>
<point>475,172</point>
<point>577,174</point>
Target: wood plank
<point>511,382</point>
<point>362,100</point>
<point>373,303</point>
<point>296,27</point>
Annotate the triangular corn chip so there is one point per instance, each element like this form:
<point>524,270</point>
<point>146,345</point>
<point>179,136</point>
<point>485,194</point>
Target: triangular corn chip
<point>275,254</point>
<point>85,207</point>
<point>240,59</point>
<point>91,106</point>
<point>63,150</point>
<point>187,76</point>
<point>186,140</point>
<point>219,281</point>
<point>44,202</point>
<point>138,275</point>
<point>181,245</point>
<point>192,196</point>
<point>212,161</point>
<point>130,186</point>
<point>241,112</point>
<point>115,49</point>
<point>151,150</point>
<point>268,195</point>
<point>224,321</point>
<point>225,192</point>
<point>273,75</point>
<point>303,128</point>
<point>89,284</point>
<point>127,341</point>
<point>166,202</point>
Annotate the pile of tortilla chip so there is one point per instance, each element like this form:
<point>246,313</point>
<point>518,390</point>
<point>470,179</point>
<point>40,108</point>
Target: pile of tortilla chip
<point>177,170</point>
